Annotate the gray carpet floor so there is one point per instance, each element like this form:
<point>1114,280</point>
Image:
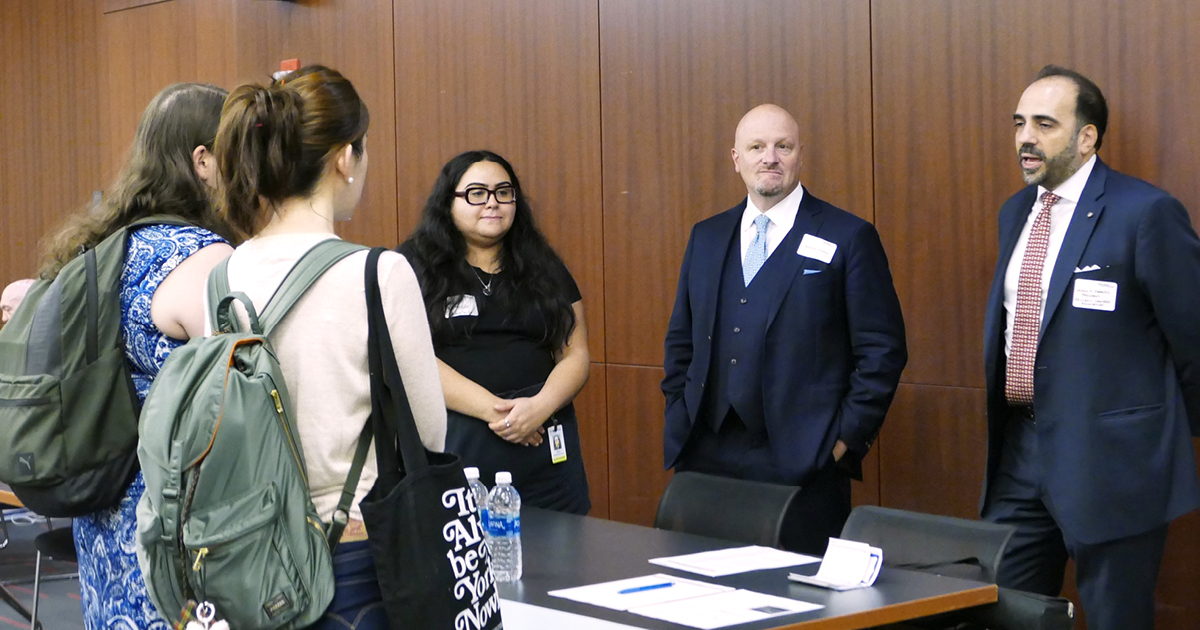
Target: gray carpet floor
<point>59,606</point>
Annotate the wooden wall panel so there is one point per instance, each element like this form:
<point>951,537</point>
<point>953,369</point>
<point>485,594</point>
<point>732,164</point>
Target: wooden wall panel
<point>591,405</point>
<point>636,477</point>
<point>676,76</point>
<point>49,127</point>
<point>355,38</point>
<point>521,79</point>
<point>933,446</point>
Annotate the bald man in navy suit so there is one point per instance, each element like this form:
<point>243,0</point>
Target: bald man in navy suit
<point>786,342</point>
<point>1092,354</point>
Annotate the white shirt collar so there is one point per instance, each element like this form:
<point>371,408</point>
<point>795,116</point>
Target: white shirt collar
<point>782,214</point>
<point>1072,189</point>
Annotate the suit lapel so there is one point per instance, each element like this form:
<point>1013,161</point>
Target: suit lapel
<point>713,250</point>
<point>809,218</point>
<point>1083,222</point>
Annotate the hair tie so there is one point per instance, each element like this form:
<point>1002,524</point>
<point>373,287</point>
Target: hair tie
<point>258,125</point>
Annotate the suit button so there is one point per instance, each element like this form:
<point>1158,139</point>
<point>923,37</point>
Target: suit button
<point>743,300</point>
<point>703,384</point>
<point>733,361</point>
<point>736,330</point>
<point>710,337</point>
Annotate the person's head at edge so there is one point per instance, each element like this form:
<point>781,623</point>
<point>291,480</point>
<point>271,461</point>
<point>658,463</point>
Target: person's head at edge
<point>295,147</point>
<point>767,154</point>
<point>11,298</point>
<point>505,232</point>
<point>170,170</point>
<point>1059,125</point>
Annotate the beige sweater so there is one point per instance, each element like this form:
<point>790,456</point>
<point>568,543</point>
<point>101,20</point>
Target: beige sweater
<point>322,349</point>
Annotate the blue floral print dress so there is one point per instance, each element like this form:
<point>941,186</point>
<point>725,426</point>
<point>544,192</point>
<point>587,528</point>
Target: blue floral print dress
<point>111,584</point>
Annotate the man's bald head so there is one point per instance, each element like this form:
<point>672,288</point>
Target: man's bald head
<point>766,152</point>
<point>11,298</point>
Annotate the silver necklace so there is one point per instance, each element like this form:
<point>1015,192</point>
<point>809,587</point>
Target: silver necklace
<point>487,288</point>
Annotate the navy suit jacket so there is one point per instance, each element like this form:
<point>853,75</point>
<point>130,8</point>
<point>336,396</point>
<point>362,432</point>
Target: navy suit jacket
<point>1113,391</point>
<point>834,346</point>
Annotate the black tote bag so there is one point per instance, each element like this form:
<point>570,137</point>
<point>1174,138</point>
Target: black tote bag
<point>423,527</point>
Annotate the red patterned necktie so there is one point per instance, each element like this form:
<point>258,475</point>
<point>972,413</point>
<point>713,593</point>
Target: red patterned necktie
<point>1022,351</point>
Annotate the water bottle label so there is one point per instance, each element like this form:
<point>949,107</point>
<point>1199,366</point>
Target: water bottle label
<point>504,526</point>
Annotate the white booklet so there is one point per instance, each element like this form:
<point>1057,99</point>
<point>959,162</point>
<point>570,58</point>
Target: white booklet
<point>734,560</point>
<point>639,591</point>
<point>846,565</point>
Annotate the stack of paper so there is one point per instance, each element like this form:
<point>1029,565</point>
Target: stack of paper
<point>846,565</point>
<point>735,560</point>
<point>685,602</point>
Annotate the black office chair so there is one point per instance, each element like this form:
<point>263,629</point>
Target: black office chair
<point>749,512</point>
<point>962,548</point>
<point>56,544</point>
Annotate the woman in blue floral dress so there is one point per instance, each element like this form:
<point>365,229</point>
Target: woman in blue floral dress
<point>170,171</point>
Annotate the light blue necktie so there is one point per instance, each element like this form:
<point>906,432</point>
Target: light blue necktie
<point>757,254</point>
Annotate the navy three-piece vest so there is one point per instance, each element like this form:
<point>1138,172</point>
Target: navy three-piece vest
<point>735,373</point>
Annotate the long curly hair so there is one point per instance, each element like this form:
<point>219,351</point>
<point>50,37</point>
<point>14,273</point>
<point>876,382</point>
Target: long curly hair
<point>533,274</point>
<point>158,177</point>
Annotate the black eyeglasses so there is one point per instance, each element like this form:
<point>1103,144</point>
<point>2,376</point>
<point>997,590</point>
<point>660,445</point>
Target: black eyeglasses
<point>478,195</point>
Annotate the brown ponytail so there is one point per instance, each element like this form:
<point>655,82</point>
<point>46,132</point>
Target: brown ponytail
<point>275,141</point>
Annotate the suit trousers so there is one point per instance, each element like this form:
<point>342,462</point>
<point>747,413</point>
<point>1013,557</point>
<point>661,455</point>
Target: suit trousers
<point>1116,579</point>
<point>818,513</point>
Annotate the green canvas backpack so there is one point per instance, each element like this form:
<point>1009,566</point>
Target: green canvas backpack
<point>226,516</point>
<point>68,410</point>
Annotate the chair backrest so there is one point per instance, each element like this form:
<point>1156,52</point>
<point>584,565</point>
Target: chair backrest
<point>750,512</point>
<point>928,542</point>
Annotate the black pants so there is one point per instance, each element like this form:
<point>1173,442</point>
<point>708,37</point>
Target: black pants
<point>1116,579</point>
<point>818,513</point>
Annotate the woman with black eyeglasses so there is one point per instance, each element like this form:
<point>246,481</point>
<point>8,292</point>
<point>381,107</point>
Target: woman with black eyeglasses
<point>508,331</point>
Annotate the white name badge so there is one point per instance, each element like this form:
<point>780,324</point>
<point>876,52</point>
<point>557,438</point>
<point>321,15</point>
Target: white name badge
<point>1096,295</point>
<point>816,248</point>
<point>558,446</point>
<point>461,306</point>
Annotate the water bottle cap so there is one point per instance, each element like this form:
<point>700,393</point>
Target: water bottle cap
<point>503,477</point>
<point>471,472</point>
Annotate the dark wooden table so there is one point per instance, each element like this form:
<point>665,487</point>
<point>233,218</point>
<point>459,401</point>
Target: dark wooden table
<point>564,551</point>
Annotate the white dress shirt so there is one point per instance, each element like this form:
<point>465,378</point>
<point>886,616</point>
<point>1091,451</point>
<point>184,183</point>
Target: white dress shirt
<point>782,216</point>
<point>1060,218</point>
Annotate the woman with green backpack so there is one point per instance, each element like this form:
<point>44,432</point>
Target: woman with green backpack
<point>170,172</point>
<point>293,159</point>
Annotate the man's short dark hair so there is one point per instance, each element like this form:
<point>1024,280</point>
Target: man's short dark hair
<point>1090,106</point>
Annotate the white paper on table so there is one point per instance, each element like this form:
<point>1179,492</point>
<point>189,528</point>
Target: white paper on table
<point>734,560</point>
<point>608,595</point>
<point>724,609</point>
<point>847,564</point>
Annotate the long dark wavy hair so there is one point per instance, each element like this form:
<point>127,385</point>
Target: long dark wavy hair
<point>158,177</point>
<point>532,277</point>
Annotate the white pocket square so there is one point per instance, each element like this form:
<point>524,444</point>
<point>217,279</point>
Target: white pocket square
<point>1087,268</point>
<point>809,271</point>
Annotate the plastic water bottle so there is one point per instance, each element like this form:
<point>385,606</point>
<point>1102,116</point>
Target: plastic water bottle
<point>480,492</point>
<point>504,529</point>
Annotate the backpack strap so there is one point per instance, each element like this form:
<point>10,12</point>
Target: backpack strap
<point>304,273</point>
<point>341,515</point>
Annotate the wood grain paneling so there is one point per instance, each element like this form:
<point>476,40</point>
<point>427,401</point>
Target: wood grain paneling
<point>521,79</point>
<point>636,477</point>
<point>591,405</point>
<point>146,48</point>
<point>111,6</point>
<point>355,38</point>
<point>676,76</point>
<point>947,76</point>
<point>49,128</point>
<point>933,446</point>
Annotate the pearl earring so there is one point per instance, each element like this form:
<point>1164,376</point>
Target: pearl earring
<point>349,180</point>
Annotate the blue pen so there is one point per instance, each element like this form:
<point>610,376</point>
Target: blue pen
<point>648,587</point>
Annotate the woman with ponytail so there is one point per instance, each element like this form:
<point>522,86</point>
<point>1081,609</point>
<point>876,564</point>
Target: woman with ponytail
<point>170,171</point>
<point>293,158</point>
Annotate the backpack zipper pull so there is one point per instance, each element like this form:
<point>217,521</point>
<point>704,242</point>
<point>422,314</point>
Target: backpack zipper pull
<point>199,559</point>
<point>278,403</point>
